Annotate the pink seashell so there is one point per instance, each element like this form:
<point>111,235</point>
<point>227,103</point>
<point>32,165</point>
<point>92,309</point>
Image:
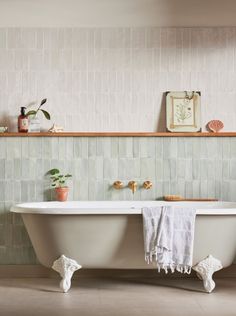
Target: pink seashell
<point>215,125</point>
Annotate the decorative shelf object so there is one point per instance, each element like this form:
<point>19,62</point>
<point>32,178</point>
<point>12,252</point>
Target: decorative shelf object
<point>119,134</point>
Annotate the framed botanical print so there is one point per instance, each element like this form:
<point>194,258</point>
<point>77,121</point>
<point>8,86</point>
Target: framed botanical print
<point>183,112</point>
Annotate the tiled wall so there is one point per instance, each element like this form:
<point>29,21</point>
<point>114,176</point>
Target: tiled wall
<point>113,79</point>
<point>192,167</point>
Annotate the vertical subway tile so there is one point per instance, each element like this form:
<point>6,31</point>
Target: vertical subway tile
<point>159,147</point>
<point>95,168</point>
<point>110,168</point>
<point>148,168</point>
<point>125,147</point>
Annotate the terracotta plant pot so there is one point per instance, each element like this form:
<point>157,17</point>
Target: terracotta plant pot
<point>62,194</point>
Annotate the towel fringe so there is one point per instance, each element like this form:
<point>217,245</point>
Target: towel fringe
<point>171,267</point>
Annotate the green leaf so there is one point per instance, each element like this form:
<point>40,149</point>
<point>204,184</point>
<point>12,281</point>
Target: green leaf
<point>46,114</point>
<point>62,182</point>
<point>68,175</point>
<point>32,112</point>
<point>54,171</point>
<point>43,101</point>
<point>54,184</point>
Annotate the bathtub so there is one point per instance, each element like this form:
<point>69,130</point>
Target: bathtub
<point>108,234</point>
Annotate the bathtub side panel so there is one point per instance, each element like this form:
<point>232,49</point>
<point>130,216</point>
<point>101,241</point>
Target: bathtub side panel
<point>116,241</point>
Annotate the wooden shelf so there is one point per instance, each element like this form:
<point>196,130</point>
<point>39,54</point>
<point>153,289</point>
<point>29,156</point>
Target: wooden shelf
<point>119,134</point>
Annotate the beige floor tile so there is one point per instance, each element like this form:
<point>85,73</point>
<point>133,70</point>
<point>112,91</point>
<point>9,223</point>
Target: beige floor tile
<point>116,297</point>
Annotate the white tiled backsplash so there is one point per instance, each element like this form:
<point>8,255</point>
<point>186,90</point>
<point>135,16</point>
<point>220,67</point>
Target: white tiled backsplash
<point>113,79</point>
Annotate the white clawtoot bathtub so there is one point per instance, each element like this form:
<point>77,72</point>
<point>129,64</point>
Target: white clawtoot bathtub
<point>108,234</point>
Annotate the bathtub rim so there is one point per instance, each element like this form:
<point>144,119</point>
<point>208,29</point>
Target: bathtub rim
<point>70,207</point>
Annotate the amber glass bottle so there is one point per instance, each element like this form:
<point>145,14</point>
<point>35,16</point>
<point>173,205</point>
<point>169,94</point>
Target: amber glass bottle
<point>23,122</point>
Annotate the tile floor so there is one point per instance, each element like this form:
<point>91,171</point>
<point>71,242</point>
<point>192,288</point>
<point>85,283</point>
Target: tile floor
<point>116,297</point>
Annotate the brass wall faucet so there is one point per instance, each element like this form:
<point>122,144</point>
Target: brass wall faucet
<point>132,186</point>
<point>147,185</point>
<point>118,185</point>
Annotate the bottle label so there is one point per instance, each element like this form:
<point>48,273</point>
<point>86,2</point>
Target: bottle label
<point>23,124</point>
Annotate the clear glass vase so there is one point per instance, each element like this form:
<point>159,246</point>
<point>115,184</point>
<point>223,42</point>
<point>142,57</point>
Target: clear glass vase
<point>34,125</point>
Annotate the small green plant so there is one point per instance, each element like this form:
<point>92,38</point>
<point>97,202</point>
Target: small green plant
<point>35,112</point>
<point>58,179</point>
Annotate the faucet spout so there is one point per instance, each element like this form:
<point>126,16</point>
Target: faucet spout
<point>132,186</point>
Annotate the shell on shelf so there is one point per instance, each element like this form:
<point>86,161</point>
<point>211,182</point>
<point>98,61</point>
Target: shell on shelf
<point>215,126</point>
<point>56,129</point>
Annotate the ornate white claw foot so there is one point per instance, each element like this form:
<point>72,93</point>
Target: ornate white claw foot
<point>205,270</point>
<point>66,267</point>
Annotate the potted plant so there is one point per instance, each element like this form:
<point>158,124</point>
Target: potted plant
<point>34,123</point>
<point>59,183</point>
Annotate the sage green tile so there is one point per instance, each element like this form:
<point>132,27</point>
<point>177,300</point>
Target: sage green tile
<point>47,148</point>
<point>218,190</point>
<point>81,147</point>
<point>9,170</point>
<point>197,149</point>
<point>196,165</point>
<point>3,152</point>
<point>159,190</point>
<point>2,168</point>
<point>188,147</point>
<point>2,190</point>
<point>62,148</point>
<point>211,147</point>
<point>166,169</point>
<point>110,168</point>
<point>189,189</point>
<point>80,169</point>
<point>14,148</point>
<point>181,148</point>
<point>196,189</point>
<point>104,146</point>
<point>96,190</point>
<point>128,168</point>
<point>147,147</point>
<point>148,168</point>
<point>69,148</point>
<point>159,169</point>
<point>232,193</point>
<point>232,142</point>
<point>2,235</point>
<point>95,167</point>
<point>54,144</point>
<point>226,148</point>
<point>25,147</point>
<point>204,169</point>
<point>166,188</point>
<point>126,147</point>
<point>204,189</point>
<point>114,147</point>
<point>211,189</point>
<point>92,147</point>
<point>9,193</point>
<point>35,147</point>
<point>225,169</point>
<point>159,147</point>
<point>233,169</point>
<point>17,168</point>
<point>17,191</point>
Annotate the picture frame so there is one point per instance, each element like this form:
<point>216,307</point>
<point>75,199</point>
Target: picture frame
<point>183,111</point>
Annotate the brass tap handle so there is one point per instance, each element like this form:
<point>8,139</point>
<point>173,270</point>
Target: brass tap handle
<point>118,185</point>
<point>133,186</point>
<point>147,185</point>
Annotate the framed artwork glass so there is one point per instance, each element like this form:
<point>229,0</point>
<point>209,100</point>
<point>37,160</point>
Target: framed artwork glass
<point>183,111</point>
